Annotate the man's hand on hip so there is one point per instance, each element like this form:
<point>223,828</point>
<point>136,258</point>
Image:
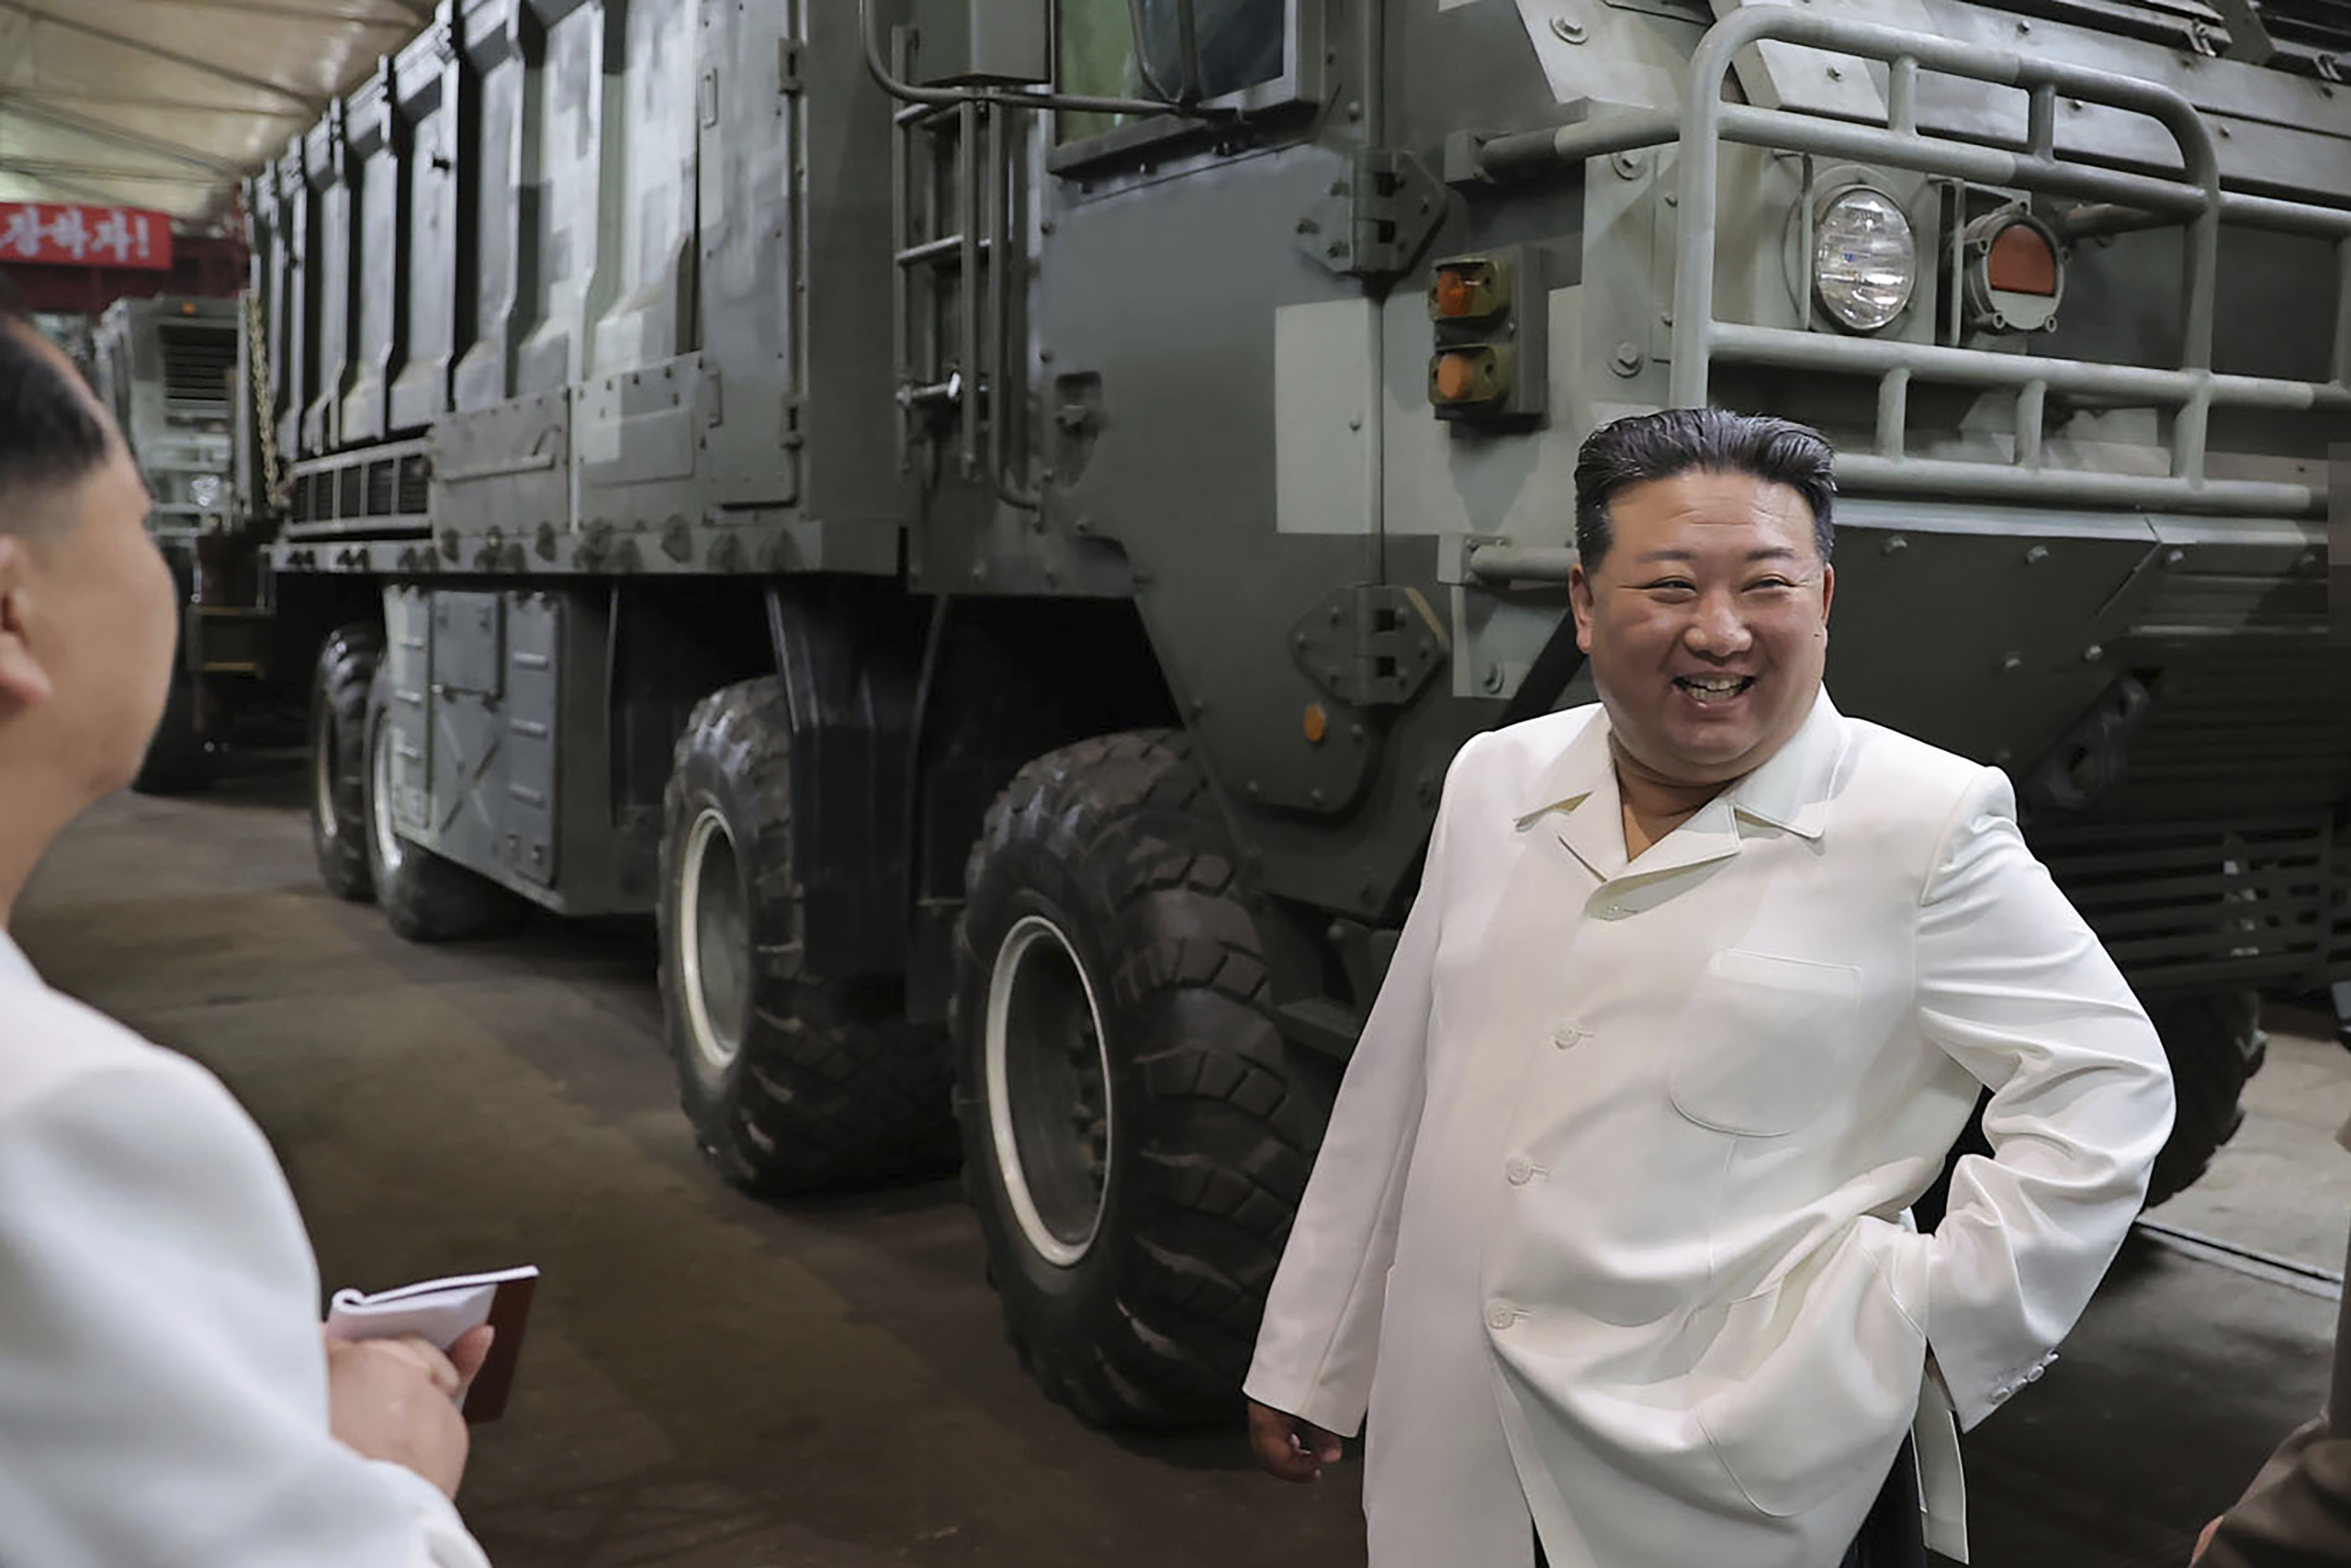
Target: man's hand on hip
<point>1288,1446</point>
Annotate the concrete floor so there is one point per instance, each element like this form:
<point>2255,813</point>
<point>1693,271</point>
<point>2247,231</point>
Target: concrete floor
<point>715,1382</point>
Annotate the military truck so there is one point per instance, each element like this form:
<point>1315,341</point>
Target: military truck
<point>168,368</point>
<point>990,518</point>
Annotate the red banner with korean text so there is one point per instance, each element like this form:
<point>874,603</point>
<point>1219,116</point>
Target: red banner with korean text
<point>70,236</point>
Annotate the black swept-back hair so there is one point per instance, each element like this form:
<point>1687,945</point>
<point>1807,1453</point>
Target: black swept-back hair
<point>1646,446</point>
<point>51,433</point>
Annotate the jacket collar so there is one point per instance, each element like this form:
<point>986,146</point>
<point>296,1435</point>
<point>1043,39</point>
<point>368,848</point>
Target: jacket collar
<point>1790,793</point>
<point>13,964</point>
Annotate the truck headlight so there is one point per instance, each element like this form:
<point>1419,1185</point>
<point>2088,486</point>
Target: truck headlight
<point>1865,258</point>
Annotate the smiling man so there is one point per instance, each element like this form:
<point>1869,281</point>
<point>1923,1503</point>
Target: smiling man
<point>1610,1230</point>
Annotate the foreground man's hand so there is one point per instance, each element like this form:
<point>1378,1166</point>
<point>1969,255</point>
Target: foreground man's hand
<point>396,1399</point>
<point>1288,1447</point>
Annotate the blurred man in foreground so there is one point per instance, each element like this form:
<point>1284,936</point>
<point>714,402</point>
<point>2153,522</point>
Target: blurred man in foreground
<point>166,1398</point>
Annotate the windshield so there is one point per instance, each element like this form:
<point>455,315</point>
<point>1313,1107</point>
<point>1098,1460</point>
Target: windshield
<point>1241,42</point>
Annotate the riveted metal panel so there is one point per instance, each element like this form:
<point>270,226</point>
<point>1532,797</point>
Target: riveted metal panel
<point>642,296</point>
<point>635,438</point>
<point>408,655</point>
<point>373,175</point>
<point>468,645</point>
<point>293,337</point>
<point>561,161</point>
<point>508,467</point>
<point>424,114</point>
<point>752,185</point>
<point>327,286</point>
<point>532,712</point>
<point>500,207</point>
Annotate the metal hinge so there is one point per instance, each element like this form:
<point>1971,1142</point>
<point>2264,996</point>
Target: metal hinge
<point>787,66</point>
<point>1376,217</point>
<point>1370,645</point>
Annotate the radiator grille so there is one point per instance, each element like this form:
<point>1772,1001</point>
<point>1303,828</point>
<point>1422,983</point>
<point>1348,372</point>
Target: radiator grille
<point>2189,903</point>
<point>198,363</point>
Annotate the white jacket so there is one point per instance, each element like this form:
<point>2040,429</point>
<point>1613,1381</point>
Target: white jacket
<point>1610,1222</point>
<point>163,1384</point>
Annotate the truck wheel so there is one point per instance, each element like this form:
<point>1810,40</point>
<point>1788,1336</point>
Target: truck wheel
<point>423,897</point>
<point>1137,1133</point>
<point>2215,1043</point>
<point>179,760</point>
<point>339,715</point>
<point>795,1081</point>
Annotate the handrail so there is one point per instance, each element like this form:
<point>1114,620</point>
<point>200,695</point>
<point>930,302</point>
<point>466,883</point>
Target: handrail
<point>999,246</point>
<point>983,334</point>
<point>1704,120</point>
<point>1704,115</point>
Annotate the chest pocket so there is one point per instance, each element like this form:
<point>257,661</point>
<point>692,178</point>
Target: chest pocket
<point>1760,1040</point>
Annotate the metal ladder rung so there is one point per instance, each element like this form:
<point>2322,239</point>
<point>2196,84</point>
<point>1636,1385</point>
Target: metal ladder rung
<point>937,250</point>
<point>922,115</point>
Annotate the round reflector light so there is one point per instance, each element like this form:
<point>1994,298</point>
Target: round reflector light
<point>2014,273</point>
<point>1865,258</point>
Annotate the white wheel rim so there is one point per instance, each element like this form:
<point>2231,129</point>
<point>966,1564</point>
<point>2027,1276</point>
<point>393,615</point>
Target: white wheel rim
<point>713,948</point>
<point>1036,1046</point>
<point>388,849</point>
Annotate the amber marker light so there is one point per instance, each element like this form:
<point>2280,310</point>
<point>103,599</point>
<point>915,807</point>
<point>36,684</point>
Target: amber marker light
<point>1454,294</point>
<point>2013,278</point>
<point>2021,262</point>
<point>1468,289</point>
<point>1317,724</point>
<point>1456,377</point>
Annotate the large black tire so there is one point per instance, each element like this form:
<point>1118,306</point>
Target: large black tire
<point>423,897</point>
<point>2216,1044</point>
<point>339,684</point>
<point>1137,1132</point>
<point>795,1081</point>
<point>179,760</point>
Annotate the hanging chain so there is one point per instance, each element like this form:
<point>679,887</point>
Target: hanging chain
<point>262,375</point>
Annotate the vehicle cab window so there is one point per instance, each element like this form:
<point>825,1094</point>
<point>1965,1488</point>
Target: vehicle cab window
<point>1135,48</point>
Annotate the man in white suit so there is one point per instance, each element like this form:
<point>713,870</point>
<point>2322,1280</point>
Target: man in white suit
<point>1610,1227</point>
<point>166,1400</point>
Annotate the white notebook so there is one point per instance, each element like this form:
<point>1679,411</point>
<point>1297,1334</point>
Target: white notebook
<point>439,1311</point>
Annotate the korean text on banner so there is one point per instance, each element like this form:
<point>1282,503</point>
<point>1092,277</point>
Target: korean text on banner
<point>65,235</point>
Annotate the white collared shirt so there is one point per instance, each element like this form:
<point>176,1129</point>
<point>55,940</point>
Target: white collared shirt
<point>162,1387</point>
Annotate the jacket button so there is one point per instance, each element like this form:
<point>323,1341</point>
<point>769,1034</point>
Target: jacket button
<point>1499,1316</point>
<point>1519,1170</point>
<point>1566,1036</point>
